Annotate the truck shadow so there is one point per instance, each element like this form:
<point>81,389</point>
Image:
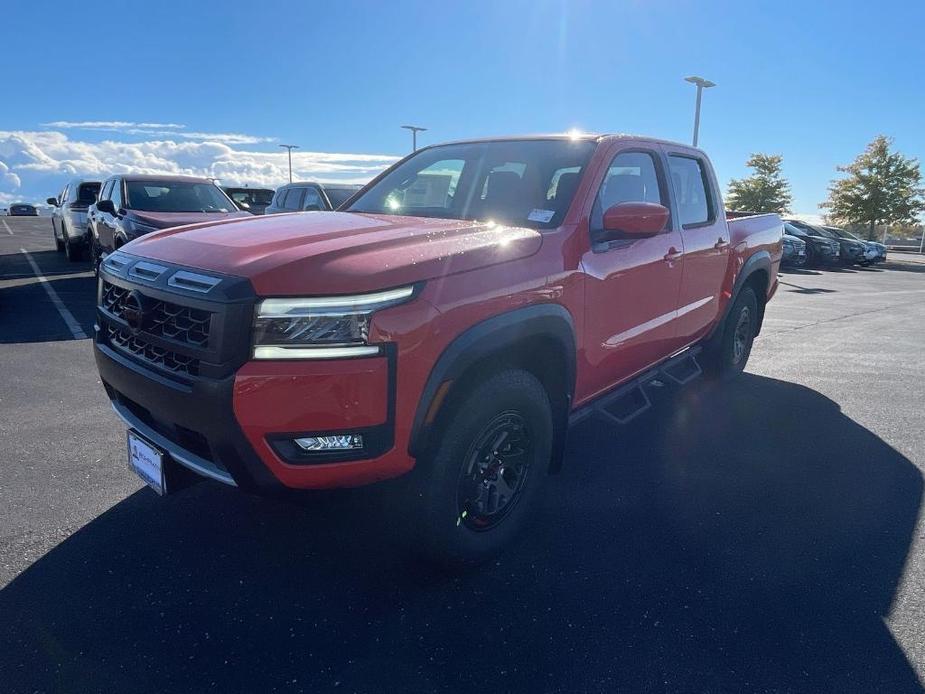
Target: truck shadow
<point>748,537</point>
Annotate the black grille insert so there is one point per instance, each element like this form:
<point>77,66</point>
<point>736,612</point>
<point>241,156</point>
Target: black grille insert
<point>183,324</point>
<point>137,346</point>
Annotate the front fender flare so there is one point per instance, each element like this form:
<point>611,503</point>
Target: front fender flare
<point>493,335</point>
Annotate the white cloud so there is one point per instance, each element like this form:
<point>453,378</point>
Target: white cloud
<point>229,138</point>
<point>109,124</point>
<point>157,130</point>
<point>36,164</point>
<point>8,180</point>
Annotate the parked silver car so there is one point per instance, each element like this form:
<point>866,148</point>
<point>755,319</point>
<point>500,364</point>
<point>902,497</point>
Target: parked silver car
<point>69,218</point>
<point>307,196</point>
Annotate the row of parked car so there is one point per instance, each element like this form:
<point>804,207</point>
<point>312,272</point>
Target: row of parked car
<point>820,246</point>
<point>93,218</point>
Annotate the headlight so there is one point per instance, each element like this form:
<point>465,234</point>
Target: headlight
<point>333,327</point>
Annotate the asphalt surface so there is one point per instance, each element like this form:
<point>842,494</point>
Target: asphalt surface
<point>762,535</point>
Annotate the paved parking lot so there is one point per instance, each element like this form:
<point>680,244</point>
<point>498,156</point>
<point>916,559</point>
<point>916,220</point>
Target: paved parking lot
<point>764,535</point>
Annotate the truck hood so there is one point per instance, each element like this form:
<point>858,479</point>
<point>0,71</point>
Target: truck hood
<point>165,220</point>
<point>317,253</point>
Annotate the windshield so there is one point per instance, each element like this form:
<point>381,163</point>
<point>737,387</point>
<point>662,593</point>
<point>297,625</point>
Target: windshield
<point>175,196</point>
<point>794,231</point>
<point>338,196</point>
<point>522,182</point>
<point>251,196</point>
<point>843,234</point>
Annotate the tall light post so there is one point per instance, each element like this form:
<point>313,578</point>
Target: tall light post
<point>415,129</point>
<point>701,85</point>
<point>289,149</point>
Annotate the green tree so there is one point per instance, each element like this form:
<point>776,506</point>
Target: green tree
<point>766,190</point>
<point>881,187</point>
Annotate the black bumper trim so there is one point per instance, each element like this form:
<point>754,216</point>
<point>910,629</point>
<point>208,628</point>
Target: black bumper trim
<point>205,406</point>
<point>187,459</point>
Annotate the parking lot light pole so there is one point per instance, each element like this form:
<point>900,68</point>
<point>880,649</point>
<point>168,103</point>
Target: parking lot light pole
<point>415,129</point>
<point>701,85</point>
<point>289,149</point>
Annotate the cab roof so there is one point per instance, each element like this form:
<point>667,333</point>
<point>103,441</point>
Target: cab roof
<point>578,136</point>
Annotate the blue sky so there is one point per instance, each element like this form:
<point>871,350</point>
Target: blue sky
<point>813,81</point>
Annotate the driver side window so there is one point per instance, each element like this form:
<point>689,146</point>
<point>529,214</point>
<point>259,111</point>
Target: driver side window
<point>632,177</point>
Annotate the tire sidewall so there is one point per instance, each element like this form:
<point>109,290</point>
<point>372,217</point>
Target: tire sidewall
<point>745,300</point>
<point>445,536</point>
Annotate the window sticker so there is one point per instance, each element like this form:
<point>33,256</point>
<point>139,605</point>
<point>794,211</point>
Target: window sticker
<point>541,216</point>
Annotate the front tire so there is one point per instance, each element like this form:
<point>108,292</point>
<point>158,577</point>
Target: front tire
<point>93,252</point>
<point>729,355</point>
<point>59,244</point>
<point>478,487</point>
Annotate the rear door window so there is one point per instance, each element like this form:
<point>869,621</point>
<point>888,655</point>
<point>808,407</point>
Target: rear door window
<point>86,195</point>
<point>691,187</point>
<point>313,200</point>
<point>293,199</point>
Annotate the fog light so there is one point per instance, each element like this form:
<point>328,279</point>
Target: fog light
<point>340,442</point>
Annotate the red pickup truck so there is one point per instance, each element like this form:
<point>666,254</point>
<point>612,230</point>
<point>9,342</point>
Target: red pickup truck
<point>452,319</point>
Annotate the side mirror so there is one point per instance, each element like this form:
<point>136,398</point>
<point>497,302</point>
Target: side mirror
<point>106,206</point>
<point>242,205</point>
<point>635,219</point>
<point>52,201</point>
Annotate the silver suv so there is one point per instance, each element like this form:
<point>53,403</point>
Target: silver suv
<point>310,197</point>
<point>69,219</point>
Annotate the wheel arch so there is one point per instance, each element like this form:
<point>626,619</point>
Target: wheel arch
<point>539,339</point>
<point>756,273</point>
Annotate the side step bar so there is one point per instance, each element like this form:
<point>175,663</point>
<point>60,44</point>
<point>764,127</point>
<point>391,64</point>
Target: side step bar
<point>630,400</point>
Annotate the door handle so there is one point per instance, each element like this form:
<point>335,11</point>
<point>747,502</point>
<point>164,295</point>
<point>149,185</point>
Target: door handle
<point>672,254</point>
<point>720,243</point>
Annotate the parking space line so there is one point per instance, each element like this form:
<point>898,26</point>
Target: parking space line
<point>66,315</point>
<point>8,230</point>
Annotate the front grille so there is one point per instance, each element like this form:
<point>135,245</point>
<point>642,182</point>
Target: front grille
<point>185,325</point>
<point>137,346</point>
<point>182,324</point>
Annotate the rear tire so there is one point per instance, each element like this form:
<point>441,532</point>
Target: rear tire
<point>474,492</point>
<point>727,357</point>
<point>73,252</point>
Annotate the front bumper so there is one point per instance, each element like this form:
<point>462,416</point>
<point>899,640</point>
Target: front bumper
<point>227,429</point>
<point>183,379</point>
<point>794,258</point>
<point>852,256</point>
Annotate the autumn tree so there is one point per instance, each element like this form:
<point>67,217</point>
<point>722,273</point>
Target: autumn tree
<point>766,190</point>
<point>881,187</point>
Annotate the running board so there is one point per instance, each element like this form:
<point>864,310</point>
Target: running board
<point>630,400</point>
<point>682,369</point>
